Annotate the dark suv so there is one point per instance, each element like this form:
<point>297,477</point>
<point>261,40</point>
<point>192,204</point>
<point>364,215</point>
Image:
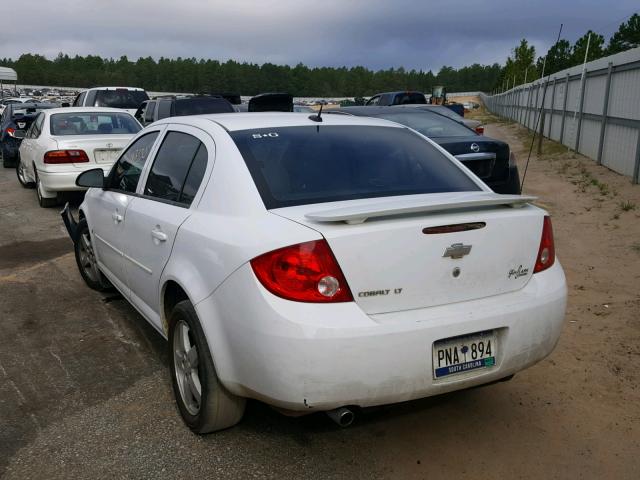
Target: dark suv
<point>17,116</point>
<point>153,110</point>
<point>397,98</point>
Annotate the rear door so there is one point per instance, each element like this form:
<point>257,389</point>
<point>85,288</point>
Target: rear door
<point>107,208</point>
<point>162,205</point>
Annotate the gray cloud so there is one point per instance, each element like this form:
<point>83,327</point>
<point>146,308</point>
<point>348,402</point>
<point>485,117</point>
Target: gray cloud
<point>375,33</point>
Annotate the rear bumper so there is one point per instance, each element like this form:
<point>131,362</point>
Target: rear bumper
<point>301,356</point>
<point>65,180</point>
<point>10,148</point>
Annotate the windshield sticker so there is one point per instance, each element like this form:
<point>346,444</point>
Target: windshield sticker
<point>257,136</point>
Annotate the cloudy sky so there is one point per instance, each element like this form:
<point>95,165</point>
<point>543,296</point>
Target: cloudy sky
<point>375,33</point>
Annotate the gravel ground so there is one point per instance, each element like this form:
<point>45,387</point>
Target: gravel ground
<point>84,390</point>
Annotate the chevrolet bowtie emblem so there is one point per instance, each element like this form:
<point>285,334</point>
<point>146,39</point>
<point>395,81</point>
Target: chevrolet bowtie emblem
<point>457,250</point>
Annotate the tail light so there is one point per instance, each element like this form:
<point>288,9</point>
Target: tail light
<point>547,251</point>
<point>306,272</point>
<point>512,159</point>
<point>11,132</point>
<point>66,156</point>
<point>480,130</point>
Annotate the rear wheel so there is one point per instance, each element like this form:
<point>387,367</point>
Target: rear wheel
<point>204,403</point>
<point>46,199</point>
<point>86,259</point>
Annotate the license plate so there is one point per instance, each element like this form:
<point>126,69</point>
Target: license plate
<point>457,355</point>
<point>106,155</point>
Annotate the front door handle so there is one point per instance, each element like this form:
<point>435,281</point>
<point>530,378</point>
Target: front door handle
<point>116,217</point>
<point>159,235</point>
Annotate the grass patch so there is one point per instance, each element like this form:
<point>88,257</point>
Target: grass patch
<point>627,205</point>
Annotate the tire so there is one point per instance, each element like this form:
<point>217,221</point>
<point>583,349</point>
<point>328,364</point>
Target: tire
<point>22,175</point>
<point>191,363</point>
<point>44,202</point>
<point>86,259</point>
<point>5,161</point>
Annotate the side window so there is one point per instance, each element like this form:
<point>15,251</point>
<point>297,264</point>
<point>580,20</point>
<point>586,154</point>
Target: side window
<point>91,98</point>
<point>80,100</point>
<point>126,171</point>
<point>172,166</point>
<point>195,176</point>
<point>148,114</point>
<point>36,127</point>
<point>29,133</point>
<point>164,109</point>
<point>76,102</point>
<point>374,100</point>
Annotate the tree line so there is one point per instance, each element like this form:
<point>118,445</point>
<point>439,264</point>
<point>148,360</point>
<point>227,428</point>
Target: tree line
<point>202,76</point>
<point>209,76</point>
<point>522,64</point>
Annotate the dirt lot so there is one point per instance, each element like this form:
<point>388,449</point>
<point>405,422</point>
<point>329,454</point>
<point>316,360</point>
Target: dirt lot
<point>84,390</point>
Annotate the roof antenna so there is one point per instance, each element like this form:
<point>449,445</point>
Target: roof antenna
<point>317,118</point>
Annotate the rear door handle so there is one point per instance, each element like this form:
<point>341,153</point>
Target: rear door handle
<point>159,235</point>
<point>116,217</point>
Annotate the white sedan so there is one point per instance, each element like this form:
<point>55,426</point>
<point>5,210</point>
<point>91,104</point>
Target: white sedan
<point>61,143</point>
<point>318,265</point>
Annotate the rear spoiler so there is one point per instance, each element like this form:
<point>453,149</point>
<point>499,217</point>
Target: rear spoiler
<point>417,204</point>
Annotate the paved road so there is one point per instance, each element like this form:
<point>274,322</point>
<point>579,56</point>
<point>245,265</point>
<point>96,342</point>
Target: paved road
<point>84,393</point>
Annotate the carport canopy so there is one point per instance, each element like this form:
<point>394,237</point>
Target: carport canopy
<point>8,75</point>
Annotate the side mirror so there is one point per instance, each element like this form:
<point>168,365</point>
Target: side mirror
<point>19,134</point>
<point>65,104</point>
<point>93,178</point>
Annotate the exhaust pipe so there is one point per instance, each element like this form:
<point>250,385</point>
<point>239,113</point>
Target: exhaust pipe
<point>342,416</point>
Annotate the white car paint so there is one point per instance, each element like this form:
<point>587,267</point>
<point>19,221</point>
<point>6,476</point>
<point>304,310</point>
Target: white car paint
<point>306,356</point>
<point>53,178</point>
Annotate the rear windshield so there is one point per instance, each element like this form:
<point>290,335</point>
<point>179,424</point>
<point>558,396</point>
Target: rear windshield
<point>120,98</point>
<point>409,98</point>
<point>93,123</point>
<point>429,124</point>
<point>198,106</point>
<point>314,164</point>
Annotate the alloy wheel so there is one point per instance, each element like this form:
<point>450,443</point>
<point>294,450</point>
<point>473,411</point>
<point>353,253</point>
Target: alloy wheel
<point>88,258</point>
<point>185,363</point>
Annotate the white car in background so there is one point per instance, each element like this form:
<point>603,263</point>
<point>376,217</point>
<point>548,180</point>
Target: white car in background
<point>126,98</point>
<point>61,143</point>
<point>318,264</point>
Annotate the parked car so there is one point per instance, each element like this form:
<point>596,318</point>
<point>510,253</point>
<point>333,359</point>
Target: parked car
<point>475,125</point>
<point>488,158</point>
<point>397,98</point>
<point>317,265</point>
<point>126,98</point>
<point>61,143</point>
<point>15,117</point>
<point>271,102</point>
<point>153,110</point>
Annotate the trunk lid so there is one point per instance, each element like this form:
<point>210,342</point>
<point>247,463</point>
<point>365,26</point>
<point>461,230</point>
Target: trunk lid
<point>391,264</point>
<point>101,150</point>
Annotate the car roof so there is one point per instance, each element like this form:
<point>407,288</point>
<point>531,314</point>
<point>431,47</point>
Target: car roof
<point>372,111</point>
<point>87,110</point>
<point>398,92</point>
<point>246,121</point>
<point>115,88</point>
